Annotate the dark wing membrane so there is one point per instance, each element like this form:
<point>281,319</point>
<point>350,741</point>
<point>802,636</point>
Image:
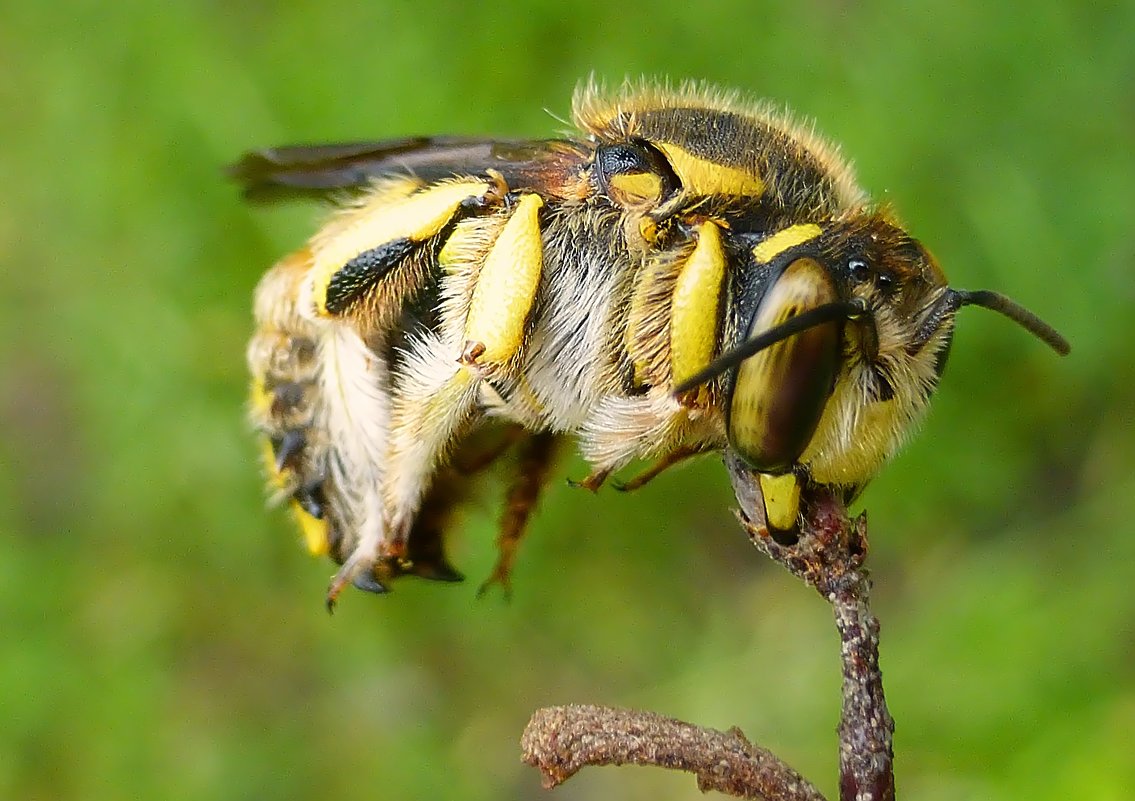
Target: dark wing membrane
<point>548,166</point>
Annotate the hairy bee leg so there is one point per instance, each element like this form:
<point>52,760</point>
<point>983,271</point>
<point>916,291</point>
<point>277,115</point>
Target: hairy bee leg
<point>506,288</point>
<point>497,262</point>
<point>673,321</point>
<point>532,470</point>
<point>434,401</point>
<point>363,561</point>
<point>356,415</point>
<point>593,481</point>
<point>649,426</point>
<point>369,260</point>
<point>695,309</point>
<point>425,548</point>
<point>312,380</point>
<point>662,465</point>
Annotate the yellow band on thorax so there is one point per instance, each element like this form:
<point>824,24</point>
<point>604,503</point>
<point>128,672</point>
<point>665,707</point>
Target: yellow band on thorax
<point>701,176</point>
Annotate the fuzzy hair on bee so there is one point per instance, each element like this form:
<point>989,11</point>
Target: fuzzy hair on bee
<point>690,273</point>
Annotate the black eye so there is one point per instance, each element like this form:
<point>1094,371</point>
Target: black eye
<point>858,270</point>
<point>634,172</point>
<point>887,283</point>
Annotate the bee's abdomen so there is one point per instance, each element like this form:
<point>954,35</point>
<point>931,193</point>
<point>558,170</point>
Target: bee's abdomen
<point>284,399</point>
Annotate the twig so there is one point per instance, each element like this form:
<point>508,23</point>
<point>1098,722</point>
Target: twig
<point>560,740</point>
<point>829,557</point>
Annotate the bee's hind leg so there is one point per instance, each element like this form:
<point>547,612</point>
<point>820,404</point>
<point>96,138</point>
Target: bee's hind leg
<point>364,564</point>
<point>534,463</point>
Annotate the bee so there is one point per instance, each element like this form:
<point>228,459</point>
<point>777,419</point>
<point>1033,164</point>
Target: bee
<point>689,273</point>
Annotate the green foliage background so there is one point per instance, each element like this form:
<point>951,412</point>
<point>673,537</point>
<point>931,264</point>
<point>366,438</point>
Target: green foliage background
<point>164,636</point>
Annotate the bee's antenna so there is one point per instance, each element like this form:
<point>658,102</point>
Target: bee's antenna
<point>1017,313</point>
<point>827,313</point>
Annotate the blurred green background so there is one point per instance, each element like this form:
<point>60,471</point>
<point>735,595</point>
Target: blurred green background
<point>164,636</point>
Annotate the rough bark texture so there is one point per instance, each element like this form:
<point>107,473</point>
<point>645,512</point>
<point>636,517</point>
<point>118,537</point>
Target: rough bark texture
<point>829,557</point>
<point>560,740</point>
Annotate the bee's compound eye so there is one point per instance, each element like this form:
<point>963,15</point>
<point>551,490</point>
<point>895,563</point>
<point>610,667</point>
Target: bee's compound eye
<point>634,173</point>
<point>778,395</point>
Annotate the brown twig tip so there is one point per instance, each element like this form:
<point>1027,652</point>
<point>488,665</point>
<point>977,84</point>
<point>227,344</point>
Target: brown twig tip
<point>560,740</point>
<point>830,556</point>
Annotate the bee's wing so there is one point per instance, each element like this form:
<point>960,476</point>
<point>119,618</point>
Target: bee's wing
<point>319,170</point>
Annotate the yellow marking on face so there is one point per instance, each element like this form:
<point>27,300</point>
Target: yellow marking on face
<point>313,529</point>
<point>701,176</point>
<point>416,216</point>
<point>636,188</point>
<point>879,429</point>
<point>782,500</point>
<point>695,304</point>
<point>781,241</point>
<point>506,286</point>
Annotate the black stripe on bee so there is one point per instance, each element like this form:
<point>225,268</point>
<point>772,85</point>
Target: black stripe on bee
<point>705,133</point>
<point>364,271</point>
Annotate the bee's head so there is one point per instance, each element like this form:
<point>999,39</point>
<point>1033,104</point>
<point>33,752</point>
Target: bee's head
<point>842,332</point>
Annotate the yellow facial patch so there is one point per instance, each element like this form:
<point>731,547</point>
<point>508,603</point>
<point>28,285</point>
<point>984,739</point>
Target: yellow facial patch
<point>701,176</point>
<point>781,241</point>
<point>695,306</point>
<point>416,216</point>
<point>506,287</point>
